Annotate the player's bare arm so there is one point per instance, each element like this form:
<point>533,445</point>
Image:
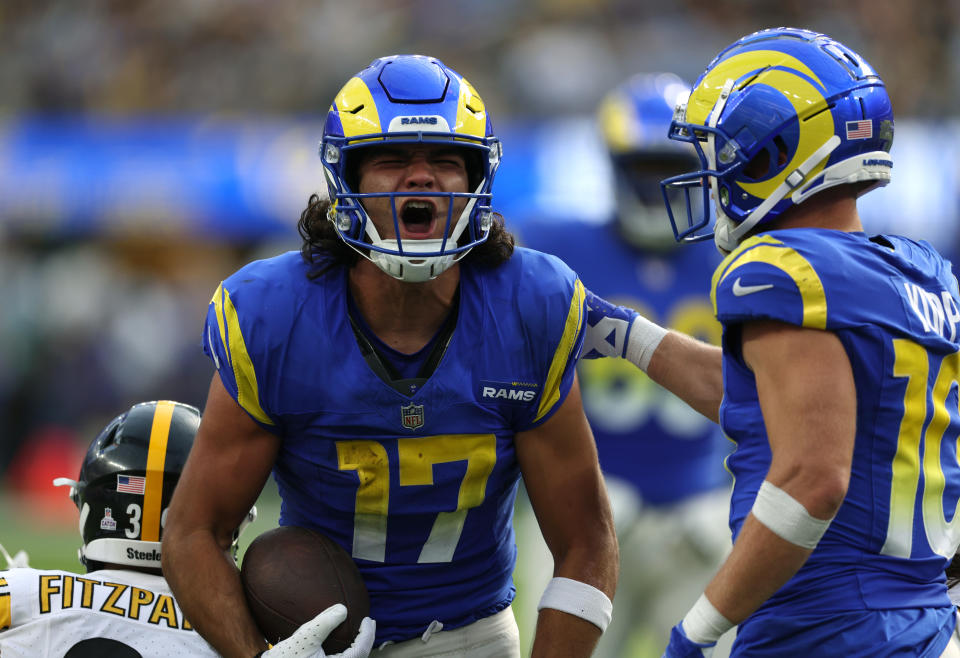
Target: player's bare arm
<point>228,466</point>
<point>691,370</point>
<point>808,396</point>
<point>563,480</point>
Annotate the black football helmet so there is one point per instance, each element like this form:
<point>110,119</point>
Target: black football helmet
<point>126,482</point>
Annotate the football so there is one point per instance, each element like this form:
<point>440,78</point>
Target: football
<point>292,574</point>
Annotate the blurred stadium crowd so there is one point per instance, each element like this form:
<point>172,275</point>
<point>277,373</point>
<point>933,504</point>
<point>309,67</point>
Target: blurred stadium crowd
<point>544,57</point>
<point>102,313</point>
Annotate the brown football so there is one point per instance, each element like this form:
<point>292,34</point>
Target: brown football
<point>292,574</point>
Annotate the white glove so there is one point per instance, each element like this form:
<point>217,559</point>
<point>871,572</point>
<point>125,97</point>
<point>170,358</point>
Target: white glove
<point>307,640</point>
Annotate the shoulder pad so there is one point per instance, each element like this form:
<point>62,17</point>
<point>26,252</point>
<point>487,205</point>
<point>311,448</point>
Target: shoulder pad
<point>767,278</point>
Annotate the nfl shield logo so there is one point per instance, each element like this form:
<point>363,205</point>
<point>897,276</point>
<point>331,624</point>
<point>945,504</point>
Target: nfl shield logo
<point>411,416</point>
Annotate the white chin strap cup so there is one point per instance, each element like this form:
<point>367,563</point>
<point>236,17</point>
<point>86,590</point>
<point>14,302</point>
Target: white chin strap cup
<point>413,268</point>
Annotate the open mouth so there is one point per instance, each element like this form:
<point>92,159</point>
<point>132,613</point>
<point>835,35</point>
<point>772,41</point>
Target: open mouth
<point>416,219</point>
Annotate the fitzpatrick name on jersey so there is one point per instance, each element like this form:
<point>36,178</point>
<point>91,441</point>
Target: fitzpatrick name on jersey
<point>59,592</point>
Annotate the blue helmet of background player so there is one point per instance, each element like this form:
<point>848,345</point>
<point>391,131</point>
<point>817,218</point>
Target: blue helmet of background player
<point>634,119</point>
<point>805,112</point>
<point>409,99</point>
<point>126,481</point>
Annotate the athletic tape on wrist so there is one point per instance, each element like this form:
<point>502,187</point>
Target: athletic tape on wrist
<point>579,599</point>
<point>704,624</point>
<point>787,517</point>
<point>642,342</point>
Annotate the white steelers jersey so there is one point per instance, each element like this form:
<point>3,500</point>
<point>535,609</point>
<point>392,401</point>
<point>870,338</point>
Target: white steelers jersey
<point>103,613</point>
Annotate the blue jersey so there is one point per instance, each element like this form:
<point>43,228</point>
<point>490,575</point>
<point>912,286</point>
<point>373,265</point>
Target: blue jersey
<point>420,489</point>
<point>645,435</point>
<point>893,303</point>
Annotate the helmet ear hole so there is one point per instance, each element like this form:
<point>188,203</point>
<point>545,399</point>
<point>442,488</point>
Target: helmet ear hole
<point>782,158</point>
<point>763,164</point>
<point>759,166</point>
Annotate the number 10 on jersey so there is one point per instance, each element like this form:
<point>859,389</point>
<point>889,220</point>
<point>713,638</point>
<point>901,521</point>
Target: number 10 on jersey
<point>912,362</point>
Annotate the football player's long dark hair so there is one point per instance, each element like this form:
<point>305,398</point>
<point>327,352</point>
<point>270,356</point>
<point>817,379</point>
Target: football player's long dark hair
<point>323,249</point>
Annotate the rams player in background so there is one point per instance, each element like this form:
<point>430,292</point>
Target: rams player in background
<point>840,364</point>
<point>399,376</point>
<point>662,461</point>
<point>122,606</point>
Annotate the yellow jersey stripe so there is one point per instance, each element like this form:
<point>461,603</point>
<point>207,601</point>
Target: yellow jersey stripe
<point>156,459</point>
<point>228,323</point>
<point>729,259</point>
<point>798,268</point>
<point>217,302</point>
<point>6,618</point>
<point>571,329</point>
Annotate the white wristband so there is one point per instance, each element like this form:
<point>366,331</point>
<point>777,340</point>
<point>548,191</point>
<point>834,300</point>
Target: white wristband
<point>787,517</point>
<point>704,624</point>
<point>642,342</point>
<point>579,599</point>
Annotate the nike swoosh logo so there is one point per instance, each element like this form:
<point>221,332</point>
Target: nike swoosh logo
<point>741,290</point>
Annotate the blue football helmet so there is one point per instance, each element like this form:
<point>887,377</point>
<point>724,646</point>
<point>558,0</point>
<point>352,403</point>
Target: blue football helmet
<point>409,99</point>
<point>634,119</point>
<point>777,117</point>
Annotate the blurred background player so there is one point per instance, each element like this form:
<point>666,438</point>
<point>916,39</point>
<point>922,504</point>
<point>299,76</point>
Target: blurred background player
<point>662,461</point>
<point>123,605</point>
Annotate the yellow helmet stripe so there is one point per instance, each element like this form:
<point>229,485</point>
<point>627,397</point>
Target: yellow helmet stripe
<point>471,112</point>
<point>816,129</point>
<point>156,458</point>
<point>356,109</point>
<point>782,72</point>
<point>571,329</point>
<point>704,97</point>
